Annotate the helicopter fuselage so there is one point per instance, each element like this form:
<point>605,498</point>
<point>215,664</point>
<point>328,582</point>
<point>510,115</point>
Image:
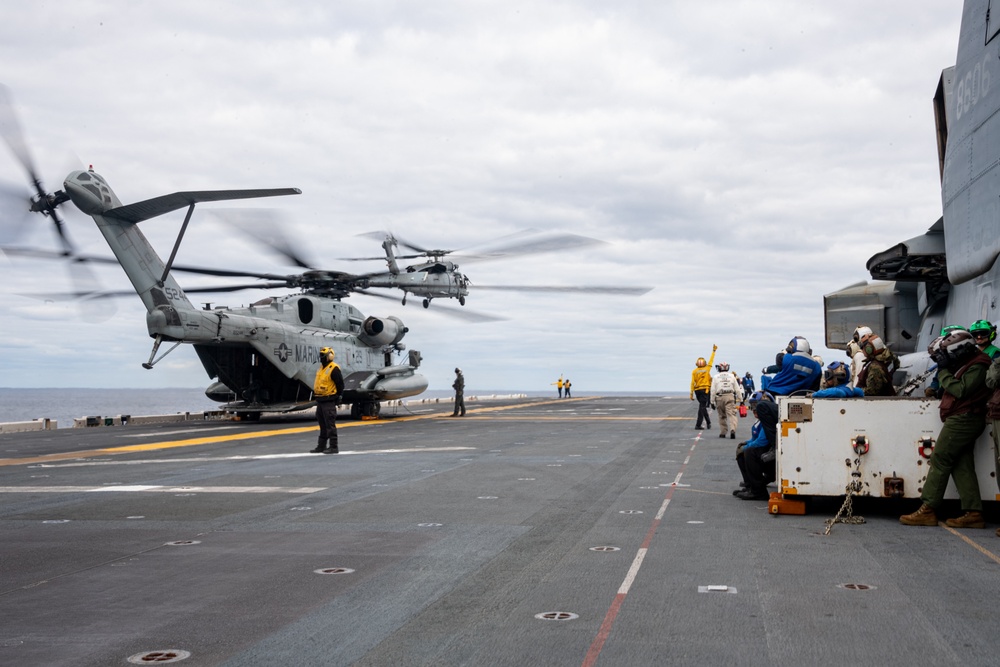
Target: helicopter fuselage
<point>429,280</point>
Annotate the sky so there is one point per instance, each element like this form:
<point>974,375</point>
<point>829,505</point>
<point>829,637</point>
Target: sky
<point>741,158</point>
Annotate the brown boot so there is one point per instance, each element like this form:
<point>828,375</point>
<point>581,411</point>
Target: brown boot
<point>967,520</point>
<point>925,516</point>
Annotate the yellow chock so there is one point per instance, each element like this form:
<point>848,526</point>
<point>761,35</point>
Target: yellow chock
<point>778,504</point>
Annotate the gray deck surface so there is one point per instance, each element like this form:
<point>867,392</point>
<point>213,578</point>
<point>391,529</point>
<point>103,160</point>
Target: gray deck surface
<point>456,534</point>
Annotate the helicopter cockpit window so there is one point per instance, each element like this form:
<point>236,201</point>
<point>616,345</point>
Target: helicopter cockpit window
<point>83,177</point>
<point>305,311</point>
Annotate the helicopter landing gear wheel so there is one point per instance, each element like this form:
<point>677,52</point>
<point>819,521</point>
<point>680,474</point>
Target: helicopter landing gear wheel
<point>427,303</point>
<point>404,299</point>
<point>366,409</point>
<point>461,300</point>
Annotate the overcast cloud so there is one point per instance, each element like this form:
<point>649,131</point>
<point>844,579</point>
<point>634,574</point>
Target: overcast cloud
<point>742,158</point>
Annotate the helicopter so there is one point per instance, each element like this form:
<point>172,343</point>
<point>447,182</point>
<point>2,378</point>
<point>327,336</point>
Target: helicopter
<point>438,277</point>
<point>263,357</point>
<point>949,274</point>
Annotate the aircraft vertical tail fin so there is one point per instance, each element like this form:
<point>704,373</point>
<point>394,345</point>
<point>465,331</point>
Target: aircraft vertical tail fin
<point>149,274</point>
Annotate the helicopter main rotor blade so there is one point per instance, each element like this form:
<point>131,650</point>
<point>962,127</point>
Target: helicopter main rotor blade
<point>528,242</point>
<point>264,225</point>
<point>226,273</point>
<point>590,289</point>
<point>420,250</point>
<point>109,294</point>
<point>204,271</point>
<point>43,253</point>
<point>233,288</point>
<point>464,314</point>
<point>531,246</point>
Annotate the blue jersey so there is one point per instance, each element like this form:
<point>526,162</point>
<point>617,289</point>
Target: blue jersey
<point>798,371</point>
<point>766,435</point>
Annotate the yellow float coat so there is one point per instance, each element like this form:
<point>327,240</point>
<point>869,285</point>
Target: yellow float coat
<point>701,378</point>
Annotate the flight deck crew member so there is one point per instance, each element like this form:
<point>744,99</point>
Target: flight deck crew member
<point>566,386</point>
<point>725,394</point>
<point>856,355</point>
<point>559,385</point>
<point>962,369</point>
<point>755,457</point>
<point>328,389</point>
<point>701,383</point>
<point>875,377</point>
<point>459,386</point>
<point>993,414</point>
<point>799,371</point>
<point>985,333</point>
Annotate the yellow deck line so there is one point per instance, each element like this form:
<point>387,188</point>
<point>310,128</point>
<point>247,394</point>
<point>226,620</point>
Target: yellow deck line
<point>978,547</point>
<point>193,442</point>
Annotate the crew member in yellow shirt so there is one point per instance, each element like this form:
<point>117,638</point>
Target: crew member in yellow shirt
<point>328,390</point>
<point>701,384</point>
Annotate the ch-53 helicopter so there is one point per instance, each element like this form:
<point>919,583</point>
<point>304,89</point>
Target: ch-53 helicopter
<point>264,357</point>
<point>949,274</point>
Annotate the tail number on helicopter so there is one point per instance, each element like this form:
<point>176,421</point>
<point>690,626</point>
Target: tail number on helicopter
<point>972,87</point>
<point>172,293</point>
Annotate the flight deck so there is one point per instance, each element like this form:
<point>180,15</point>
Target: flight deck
<point>585,531</point>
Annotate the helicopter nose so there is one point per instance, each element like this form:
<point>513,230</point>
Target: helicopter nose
<point>88,192</point>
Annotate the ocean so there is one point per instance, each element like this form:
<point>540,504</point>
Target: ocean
<point>65,405</point>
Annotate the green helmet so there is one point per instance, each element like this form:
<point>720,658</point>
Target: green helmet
<point>981,327</point>
<point>951,327</point>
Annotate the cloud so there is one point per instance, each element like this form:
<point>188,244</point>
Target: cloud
<point>743,159</point>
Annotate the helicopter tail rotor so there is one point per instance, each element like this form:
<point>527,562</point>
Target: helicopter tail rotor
<point>43,202</point>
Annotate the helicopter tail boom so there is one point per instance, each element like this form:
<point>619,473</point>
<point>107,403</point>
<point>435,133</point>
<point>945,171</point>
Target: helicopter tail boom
<point>149,275</point>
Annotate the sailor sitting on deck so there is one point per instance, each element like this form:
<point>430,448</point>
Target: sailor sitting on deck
<point>756,456</point>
